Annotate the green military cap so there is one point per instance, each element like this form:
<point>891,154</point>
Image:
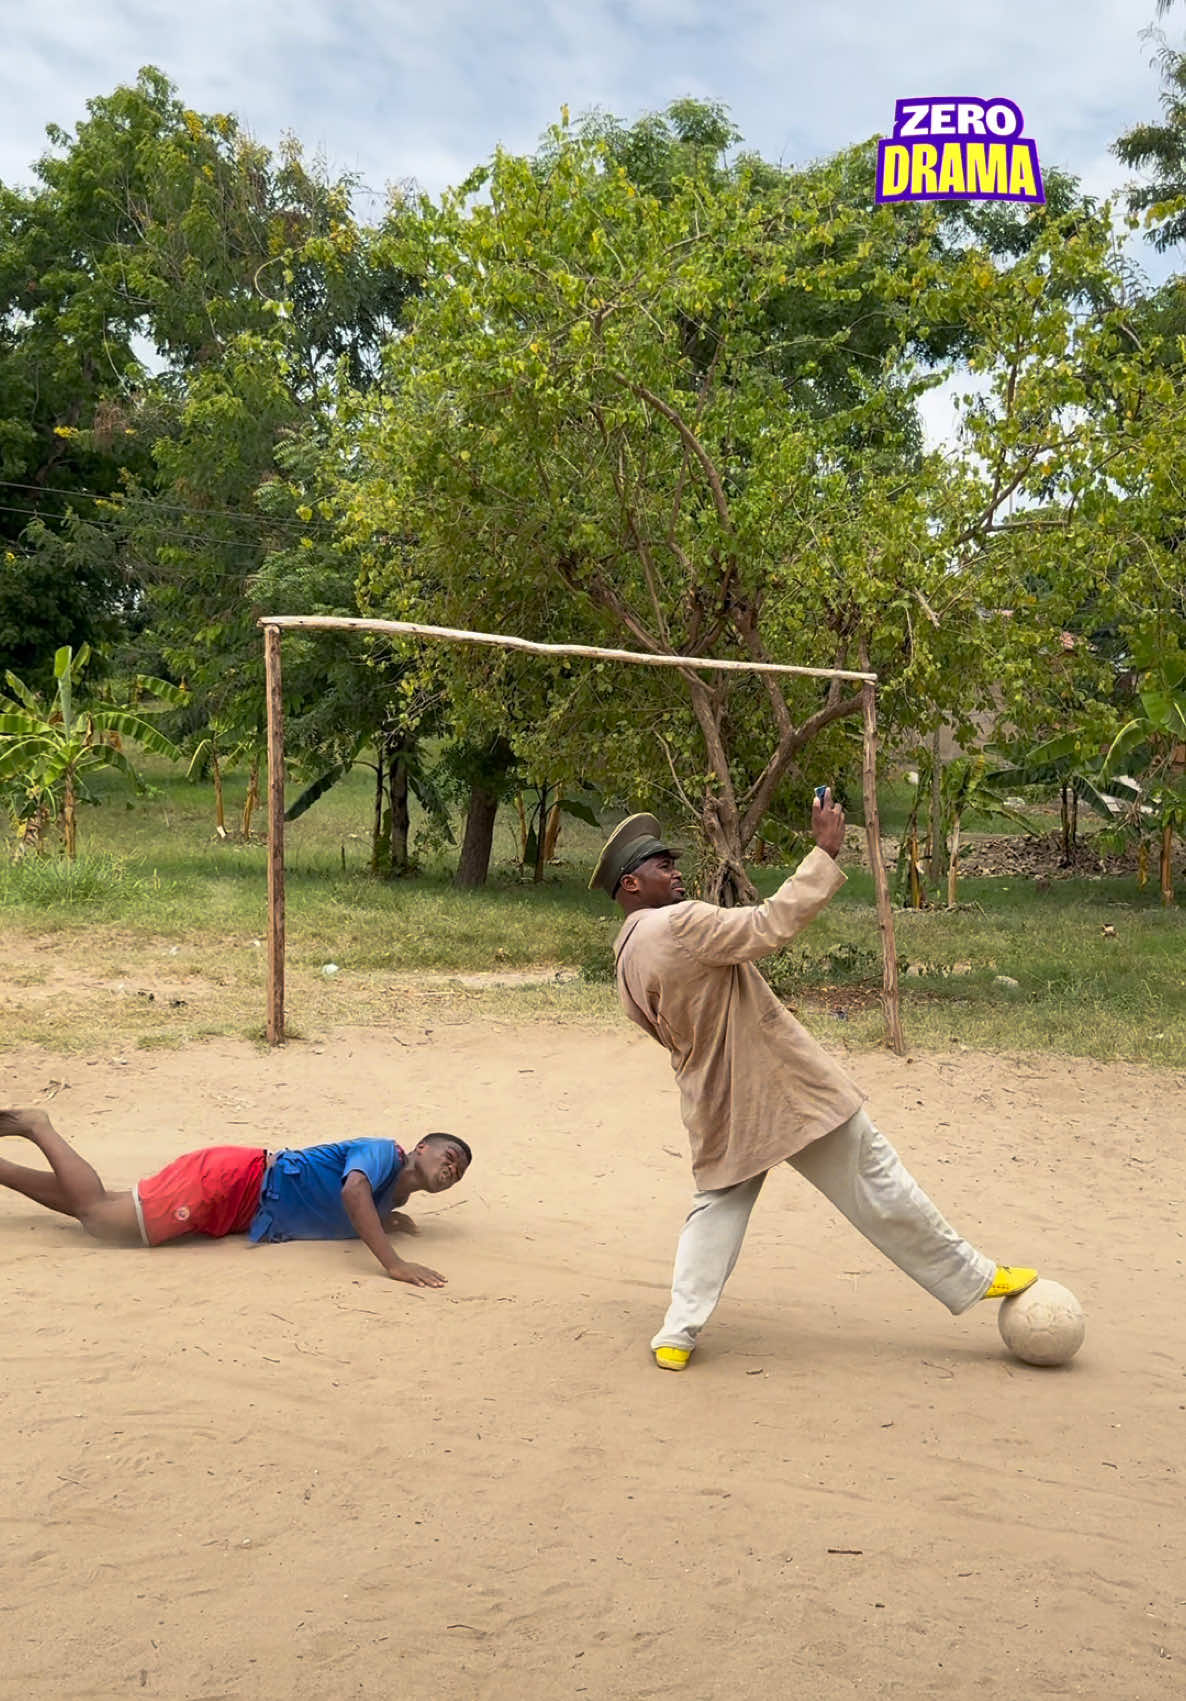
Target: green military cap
<point>633,843</point>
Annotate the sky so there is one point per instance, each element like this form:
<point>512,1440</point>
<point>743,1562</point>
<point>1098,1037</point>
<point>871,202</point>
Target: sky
<point>397,91</point>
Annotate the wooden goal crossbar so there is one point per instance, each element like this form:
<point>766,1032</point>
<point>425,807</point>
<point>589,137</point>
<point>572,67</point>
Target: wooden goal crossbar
<point>500,640</point>
<point>274,624</point>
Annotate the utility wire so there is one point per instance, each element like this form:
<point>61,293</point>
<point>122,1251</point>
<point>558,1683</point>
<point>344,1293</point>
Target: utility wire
<point>198,539</point>
<point>260,519</point>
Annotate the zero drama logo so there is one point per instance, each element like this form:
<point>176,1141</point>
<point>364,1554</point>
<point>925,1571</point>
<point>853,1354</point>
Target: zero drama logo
<point>958,147</point>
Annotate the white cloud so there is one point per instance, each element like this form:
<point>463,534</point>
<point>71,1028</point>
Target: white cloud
<point>396,89</point>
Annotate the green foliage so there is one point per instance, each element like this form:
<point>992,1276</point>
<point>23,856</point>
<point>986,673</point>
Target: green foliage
<point>1159,148</point>
<point>674,410</point>
<point>642,388</point>
<point>1148,754</point>
<point>47,752</point>
<point>143,497</point>
<point>844,962</point>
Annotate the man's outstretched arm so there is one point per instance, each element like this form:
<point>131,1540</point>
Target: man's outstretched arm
<point>359,1204</point>
<point>722,936</point>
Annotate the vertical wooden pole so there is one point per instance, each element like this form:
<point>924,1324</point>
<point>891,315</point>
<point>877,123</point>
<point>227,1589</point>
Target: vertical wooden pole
<point>275,836</point>
<point>885,915</point>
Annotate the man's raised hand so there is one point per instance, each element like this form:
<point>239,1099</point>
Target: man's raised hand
<point>827,823</point>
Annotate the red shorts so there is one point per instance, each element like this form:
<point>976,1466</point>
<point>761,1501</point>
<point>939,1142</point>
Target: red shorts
<point>214,1191</point>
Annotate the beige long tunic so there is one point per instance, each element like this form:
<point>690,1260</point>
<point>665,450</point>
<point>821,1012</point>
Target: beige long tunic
<point>755,1087</point>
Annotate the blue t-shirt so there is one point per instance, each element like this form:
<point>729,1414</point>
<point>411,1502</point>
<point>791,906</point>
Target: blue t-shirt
<point>301,1198</point>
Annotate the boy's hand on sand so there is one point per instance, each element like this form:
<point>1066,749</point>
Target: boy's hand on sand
<point>416,1275</point>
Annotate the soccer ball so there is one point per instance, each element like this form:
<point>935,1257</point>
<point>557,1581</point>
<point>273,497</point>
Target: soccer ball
<point>1043,1325</point>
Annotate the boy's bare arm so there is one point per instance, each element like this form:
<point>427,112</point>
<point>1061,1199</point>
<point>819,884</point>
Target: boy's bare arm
<point>359,1204</point>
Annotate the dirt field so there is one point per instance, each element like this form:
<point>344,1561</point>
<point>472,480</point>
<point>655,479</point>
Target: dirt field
<point>268,1474</point>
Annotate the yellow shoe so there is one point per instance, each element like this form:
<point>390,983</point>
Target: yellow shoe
<point>672,1358</point>
<point>1009,1279</point>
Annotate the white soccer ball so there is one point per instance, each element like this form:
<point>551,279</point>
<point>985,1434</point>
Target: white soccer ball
<point>1043,1325</point>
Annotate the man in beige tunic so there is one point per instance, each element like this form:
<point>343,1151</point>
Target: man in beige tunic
<point>755,1088</point>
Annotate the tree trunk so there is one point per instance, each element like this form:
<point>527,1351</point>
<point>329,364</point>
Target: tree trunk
<point>1070,824</point>
<point>727,883</point>
<point>252,797</point>
<point>936,825</point>
<point>1167,869</point>
<point>1142,865</point>
<point>890,1000</point>
<point>953,865</point>
<point>377,826</point>
<point>397,789</point>
<point>474,864</point>
<point>541,835</point>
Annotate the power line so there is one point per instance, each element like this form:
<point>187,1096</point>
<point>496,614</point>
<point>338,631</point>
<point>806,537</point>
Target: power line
<point>170,507</point>
<point>197,539</point>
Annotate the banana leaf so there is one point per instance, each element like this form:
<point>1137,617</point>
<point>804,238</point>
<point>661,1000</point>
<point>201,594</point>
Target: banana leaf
<point>323,783</point>
<point>132,726</point>
<point>582,811</point>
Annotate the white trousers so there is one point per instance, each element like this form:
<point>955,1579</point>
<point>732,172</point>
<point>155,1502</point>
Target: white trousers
<point>858,1170</point>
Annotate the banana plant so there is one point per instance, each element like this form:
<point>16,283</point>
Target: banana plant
<point>49,749</point>
<point>971,786</point>
<point>219,751</point>
<point>1064,765</point>
<point>1153,743</point>
<point>540,830</point>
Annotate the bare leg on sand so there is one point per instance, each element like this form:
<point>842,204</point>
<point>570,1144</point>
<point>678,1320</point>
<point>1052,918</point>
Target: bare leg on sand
<point>70,1186</point>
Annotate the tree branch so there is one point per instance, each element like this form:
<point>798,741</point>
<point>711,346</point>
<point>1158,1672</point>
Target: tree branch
<point>758,796</point>
<point>600,591</point>
<point>682,794</point>
<point>642,549</point>
<point>690,439</point>
<point>745,620</point>
<point>706,705</point>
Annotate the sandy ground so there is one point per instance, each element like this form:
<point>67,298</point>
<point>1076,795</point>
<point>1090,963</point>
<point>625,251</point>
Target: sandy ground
<point>269,1473</point>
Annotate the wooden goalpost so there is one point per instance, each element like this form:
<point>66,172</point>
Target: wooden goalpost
<point>274,624</point>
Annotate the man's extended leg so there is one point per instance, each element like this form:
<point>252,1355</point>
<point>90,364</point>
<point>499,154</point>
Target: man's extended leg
<point>709,1243</point>
<point>74,1188</point>
<point>858,1170</point>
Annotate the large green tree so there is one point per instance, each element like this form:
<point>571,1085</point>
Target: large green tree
<point>684,420</point>
<point>182,306</point>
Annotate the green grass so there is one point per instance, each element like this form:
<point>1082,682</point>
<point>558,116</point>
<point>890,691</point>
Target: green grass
<point>50,883</point>
<point>158,903</point>
<point>1079,991</point>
